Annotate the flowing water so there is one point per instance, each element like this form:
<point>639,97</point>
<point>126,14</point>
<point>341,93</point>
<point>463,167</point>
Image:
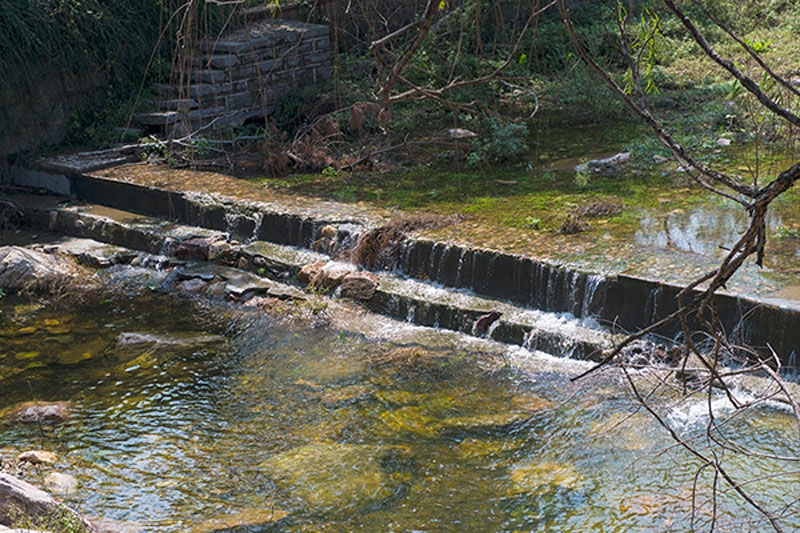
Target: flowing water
<point>251,420</point>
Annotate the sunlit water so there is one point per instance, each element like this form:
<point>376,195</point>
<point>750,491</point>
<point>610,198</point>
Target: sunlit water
<point>336,432</point>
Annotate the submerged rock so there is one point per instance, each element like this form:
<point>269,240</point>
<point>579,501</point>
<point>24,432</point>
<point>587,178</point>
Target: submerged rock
<point>411,419</point>
<point>538,478</point>
<point>326,477</point>
<point>478,448</point>
<point>36,413</point>
<point>134,344</point>
<point>484,423</point>
<point>345,395</point>
<point>255,519</point>
<point>61,483</point>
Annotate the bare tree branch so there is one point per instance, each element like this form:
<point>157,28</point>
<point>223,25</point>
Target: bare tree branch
<point>747,82</point>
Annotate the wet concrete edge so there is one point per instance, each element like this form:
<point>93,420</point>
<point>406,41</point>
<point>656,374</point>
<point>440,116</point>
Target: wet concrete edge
<point>625,303</point>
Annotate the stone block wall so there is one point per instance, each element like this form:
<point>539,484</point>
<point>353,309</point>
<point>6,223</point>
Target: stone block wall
<point>37,114</point>
<point>243,75</point>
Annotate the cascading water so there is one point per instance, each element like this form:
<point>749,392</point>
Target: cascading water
<point>258,219</point>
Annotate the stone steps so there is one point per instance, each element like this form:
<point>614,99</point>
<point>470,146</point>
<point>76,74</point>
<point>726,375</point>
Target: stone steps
<point>628,302</point>
<point>242,75</point>
<point>103,236</point>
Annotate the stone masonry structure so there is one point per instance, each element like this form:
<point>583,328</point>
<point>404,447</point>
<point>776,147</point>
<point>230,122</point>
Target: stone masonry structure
<point>242,76</point>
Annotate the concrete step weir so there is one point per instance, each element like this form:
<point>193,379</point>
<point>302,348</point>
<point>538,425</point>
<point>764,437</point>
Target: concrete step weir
<point>397,297</point>
<point>628,302</point>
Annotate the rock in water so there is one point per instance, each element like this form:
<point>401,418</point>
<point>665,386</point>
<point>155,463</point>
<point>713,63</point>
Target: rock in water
<point>130,345</point>
<point>25,269</point>
<point>245,520</point>
<point>342,477</point>
<point>61,483</point>
<point>359,286</point>
<point>35,413</point>
<point>310,271</point>
<point>37,457</point>
<point>483,323</point>
<point>332,274</point>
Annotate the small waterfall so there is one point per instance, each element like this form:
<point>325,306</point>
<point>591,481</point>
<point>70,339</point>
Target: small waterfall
<point>459,279</point>
<point>575,286</point>
<point>411,314</point>
<point>554,286</point>
<point>434,263</point>
<point>346,239</point>
<point>590,287</point>
<point>790,370</point>
<point>492,327</point>
<point>651,305</point>
<point>232,222</point>
<point>258,219</point>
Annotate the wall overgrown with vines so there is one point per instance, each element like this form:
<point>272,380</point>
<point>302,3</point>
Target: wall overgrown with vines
<point>62,59</point>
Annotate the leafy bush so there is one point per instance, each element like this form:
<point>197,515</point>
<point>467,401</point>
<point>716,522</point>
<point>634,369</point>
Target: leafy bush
<point>501,142</point>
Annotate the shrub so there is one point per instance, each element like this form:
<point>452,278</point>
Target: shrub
<point>501,142</point>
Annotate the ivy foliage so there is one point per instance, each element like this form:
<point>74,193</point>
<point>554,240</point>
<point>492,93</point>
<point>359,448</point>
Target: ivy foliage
<point>73,37</point>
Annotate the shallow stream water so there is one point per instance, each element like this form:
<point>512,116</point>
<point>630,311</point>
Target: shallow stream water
<point>314,429</point>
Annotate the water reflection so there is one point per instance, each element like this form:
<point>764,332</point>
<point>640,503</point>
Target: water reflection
<point>712,230</point>
<point>310,430</point>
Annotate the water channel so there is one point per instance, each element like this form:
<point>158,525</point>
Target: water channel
<point>303,427</point>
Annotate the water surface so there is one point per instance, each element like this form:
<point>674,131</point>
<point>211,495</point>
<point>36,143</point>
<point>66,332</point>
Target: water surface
<point>331,431</point>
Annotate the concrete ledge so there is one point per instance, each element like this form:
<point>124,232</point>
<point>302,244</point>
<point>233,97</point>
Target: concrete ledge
<point>628,303</point>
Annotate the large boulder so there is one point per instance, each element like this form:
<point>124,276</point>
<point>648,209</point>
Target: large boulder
<point>26,269</point>
<point>21,502</point>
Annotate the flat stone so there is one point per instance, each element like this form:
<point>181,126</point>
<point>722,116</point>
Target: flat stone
<point>178,104</point>
<point>95,254</point>
<point>290,258</point>
<point>248,519</point>
<point>160,118</point>
<point>286,292</point>
<point>18,497</point>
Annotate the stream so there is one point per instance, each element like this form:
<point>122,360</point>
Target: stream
<point>226,418</point>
